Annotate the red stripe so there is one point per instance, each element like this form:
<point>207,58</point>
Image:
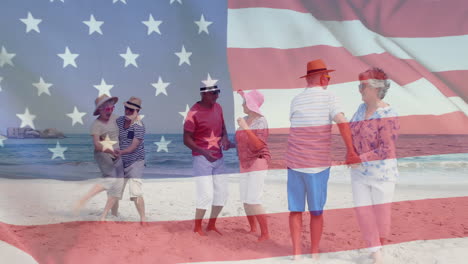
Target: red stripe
<point>174,242</point>
<point>457,80</point>
<point>393,18</point>
<point>435,139</point>
<point>269,68</point>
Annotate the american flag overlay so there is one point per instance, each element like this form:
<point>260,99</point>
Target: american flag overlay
<point>58,56</point>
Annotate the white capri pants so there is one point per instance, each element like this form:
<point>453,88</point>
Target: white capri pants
<point>251,183</point>
<point>211,183</point>
<point>373,199</point>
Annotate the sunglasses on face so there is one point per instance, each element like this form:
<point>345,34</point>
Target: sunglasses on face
<point>129,109</point>
<point>214,92</point>
<point>361,86</point>
<point>327,76</point>
<point>108,108</point>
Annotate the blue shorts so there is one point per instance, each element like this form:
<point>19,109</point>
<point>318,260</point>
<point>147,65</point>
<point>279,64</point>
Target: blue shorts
<point>314,185</point>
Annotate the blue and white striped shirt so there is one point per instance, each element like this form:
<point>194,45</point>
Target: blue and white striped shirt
<point>125,139</point>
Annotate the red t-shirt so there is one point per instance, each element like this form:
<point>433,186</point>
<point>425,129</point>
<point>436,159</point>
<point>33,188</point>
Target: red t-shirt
<point>206,124</point>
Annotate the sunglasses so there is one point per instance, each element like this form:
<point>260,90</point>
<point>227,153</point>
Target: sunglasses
<point>214,92</point>
<point>327,76</point>
<point>129,109</point>
<point>361,86</point>
<point>108,108</point>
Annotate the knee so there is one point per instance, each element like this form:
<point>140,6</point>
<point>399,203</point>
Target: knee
<point>317,213</point>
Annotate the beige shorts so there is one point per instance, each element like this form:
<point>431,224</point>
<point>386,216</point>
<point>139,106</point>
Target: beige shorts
<point>133,175</point>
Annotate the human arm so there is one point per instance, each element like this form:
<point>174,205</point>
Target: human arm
<point>133,146</point>
<point>254,141</point>
<point>225,143</point>
<point>345,131</point>
<point>384,146</point>
<point>190,143</point>
<point>98,146</point>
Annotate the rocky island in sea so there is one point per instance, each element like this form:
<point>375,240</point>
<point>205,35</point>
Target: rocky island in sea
<point>26,132</point>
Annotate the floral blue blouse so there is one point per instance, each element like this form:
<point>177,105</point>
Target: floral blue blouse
<point>374,140</point>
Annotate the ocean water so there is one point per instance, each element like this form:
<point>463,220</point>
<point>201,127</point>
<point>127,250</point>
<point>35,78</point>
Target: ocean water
<point>425,159</point>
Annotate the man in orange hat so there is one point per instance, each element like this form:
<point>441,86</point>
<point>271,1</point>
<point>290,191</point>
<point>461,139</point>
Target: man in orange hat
<point>308,152</point>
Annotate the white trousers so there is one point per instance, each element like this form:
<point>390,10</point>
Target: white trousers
<point>211,184</point>
<point>372,199</point>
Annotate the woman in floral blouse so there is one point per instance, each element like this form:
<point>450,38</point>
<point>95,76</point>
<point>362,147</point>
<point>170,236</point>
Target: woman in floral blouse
<point>374,127</point>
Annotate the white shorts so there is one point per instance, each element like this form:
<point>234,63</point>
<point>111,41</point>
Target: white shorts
<point>133,175</point>
<point>211,184</point>
<point>251,183</point>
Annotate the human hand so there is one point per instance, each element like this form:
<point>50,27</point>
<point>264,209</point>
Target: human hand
<point>117,153</point>
<point>242,124</point>
<point>225,143</point>
<point>208,154</point>
<point>353,160</point>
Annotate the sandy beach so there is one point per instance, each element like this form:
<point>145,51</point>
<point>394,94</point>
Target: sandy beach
<point>41,210</point>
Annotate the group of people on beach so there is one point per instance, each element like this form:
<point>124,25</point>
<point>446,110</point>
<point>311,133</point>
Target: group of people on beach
<point>369,137</point>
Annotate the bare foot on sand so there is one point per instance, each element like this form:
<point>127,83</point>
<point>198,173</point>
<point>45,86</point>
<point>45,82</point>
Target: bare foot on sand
<point>378,258</point>
<point>263,238</point>
<point>199,231</point>
<point>77,208</point>
<point>213,228</point>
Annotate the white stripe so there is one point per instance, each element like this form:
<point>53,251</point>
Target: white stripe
<point>452,250</point>
<point>420,97</point>
<point>460,103</point>
<point>287,29</point>
<point>12,254</point>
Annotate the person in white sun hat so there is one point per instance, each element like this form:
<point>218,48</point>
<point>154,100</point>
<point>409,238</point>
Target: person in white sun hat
<point>205,134</point>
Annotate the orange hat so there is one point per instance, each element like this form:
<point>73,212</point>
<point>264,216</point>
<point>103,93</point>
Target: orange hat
<point>316,66</point>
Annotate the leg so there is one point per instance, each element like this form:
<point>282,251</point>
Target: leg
<point>199,213</point>
<point>317,186</point>
<point>215,210</point>
<point>250,218</point>
<point>316,229</point>
<point>82,202</point>
<point>220,193</point>
<point>115,209</point>
<point>295,226</point>
<point>365,212</point>
<point>251,194</point>
<point>140,206</point>
<point>202,169</point>
<point>296,204</point>
<point>109,204</point>
<point>382,196</point>
<point>243,189</point>
<point>135,187</point>
<point>259,213</point>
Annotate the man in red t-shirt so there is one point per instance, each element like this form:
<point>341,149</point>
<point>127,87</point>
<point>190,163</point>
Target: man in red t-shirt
<point>205,134</point>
